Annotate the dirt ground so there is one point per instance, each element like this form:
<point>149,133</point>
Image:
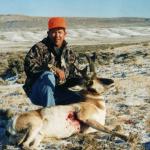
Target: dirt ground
<point>128,105</point>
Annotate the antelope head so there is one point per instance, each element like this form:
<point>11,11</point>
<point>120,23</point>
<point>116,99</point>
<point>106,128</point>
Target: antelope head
<point>89,80</point>
<point>94,84</point>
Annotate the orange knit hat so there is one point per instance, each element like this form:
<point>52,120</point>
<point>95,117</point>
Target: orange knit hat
<point>56,22</point>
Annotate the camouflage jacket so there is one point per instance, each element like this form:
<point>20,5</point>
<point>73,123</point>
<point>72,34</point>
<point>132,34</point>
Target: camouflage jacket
<point>43,55</point>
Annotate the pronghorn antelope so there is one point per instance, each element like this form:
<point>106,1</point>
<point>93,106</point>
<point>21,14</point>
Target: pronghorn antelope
<point>62,121</point>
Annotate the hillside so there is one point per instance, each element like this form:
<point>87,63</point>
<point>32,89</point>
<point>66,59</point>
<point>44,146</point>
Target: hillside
<point>18,22</point>
<point>19,33</point>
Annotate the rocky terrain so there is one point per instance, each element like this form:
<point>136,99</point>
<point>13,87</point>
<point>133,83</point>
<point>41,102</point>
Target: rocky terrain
<point>128,104</point>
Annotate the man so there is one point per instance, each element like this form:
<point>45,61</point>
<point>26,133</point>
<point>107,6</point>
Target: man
<point>48,64</point>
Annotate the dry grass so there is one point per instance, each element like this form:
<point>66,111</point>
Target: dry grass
<point>127,106</point>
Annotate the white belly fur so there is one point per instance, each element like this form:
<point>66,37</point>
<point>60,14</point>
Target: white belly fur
<point>58,124</point>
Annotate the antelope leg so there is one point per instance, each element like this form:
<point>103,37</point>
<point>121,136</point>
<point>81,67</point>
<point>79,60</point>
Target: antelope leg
<point>96,125</point>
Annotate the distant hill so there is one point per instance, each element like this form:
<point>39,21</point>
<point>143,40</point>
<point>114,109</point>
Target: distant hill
<point>20,22</point>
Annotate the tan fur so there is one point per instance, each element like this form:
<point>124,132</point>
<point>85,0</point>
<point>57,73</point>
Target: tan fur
<point>28,118</point>
<point>96,102</point>
<point>85,113</point>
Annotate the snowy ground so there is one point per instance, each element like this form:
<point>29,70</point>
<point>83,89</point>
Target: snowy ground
<point>21,40</point>
<point>127,106</point>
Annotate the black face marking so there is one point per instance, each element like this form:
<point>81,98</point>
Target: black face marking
<point>106,81</point>
<point>92,90</point>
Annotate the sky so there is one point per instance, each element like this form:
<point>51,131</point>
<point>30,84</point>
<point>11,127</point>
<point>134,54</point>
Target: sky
<point>77,8</point>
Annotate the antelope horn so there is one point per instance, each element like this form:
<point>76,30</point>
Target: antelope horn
<point>83,72</point>
<point>91,61</point>
<point>91,64</point>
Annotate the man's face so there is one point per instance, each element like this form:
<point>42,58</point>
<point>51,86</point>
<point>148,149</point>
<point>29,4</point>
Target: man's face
<point>57,36</point>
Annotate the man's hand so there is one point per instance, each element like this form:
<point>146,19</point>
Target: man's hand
<point>60,73</point>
